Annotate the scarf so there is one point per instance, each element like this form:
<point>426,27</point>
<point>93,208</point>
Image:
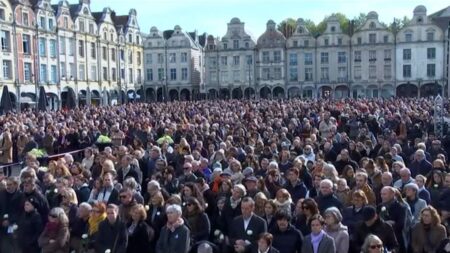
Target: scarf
<point>52,229</point>
<point>315,240</point>
<point>94,222</point>
<point>234,203</point>
<point>175,225</point>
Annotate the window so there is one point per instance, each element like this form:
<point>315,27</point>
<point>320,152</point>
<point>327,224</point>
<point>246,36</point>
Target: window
<point>293,74</point>
<point>372,55</point>
<point>212,61</point>
<point>7,70</point>
<point>113,54</point>
<point>357,73</point>
<point>104,53</point>
<point>130,57</point>
<point>372,38</point>
<point>173,74</point>
<point>342,74</point>
<point>138,39</point>
<point>324,74</point>
<point>339,41</point>
<point>72,47</point>
<point>81,48</point>
<point>25,19</point>
<point>431,53</point>
<point>149,75</point>
<point>130,38</point>
<point>323,57</point>
<point>138,58</point>
<point>372,72</point>
<point>406,54</point>
<point>295,43</point>
<point>105,73</point>
<point>6,41</point>
<point>43,75</point>
<point>385,39</point>
<point>359,41</point>
<point>2,14</point>
<point>72,70</point>
<point>122,55</point>
<point>306,43</point>
<point>408,37</point>
<point>42,22</point>
<point>431,70</point>
<point>265,57</point>
<point>66,22</point>
<point>236,75</point>
<point>247,45</point>
<point>62,46</point>
<point>223,60</point>
<point>172,58</point>
<point>148,58</point>
<point>406,70</point>
<point>42,47</point>
<point>160,58</point>
<point>26,42</point>
<point>52,48</point>
<point>357,56</point>
<point>235,44</point>
<point>81,25</point>
<point>53,74</point>
<point>184,74</point>
<point>27,71</point>
<point>327,42</point>
<point>265,73</point>
<point>236,60</point>
<point>122,73</point>
<point>308,58</point>
<point>63,69</point>
<point>50,24</point>
<point>277,73</point>
<point>387,54</point>
<point>225,46</point>
<point>93,73</point>
<point>387,72</point>
<point>130,75</point>
<point>342,57</point>
<point>277,56</point>
<point>293,59</point>
<point>430,36</point>
<point>249,59</point>
<point>81,74</point>
<point>114,74</point>
<point>93,53</point>
<point>139,78</point>
<point>224,76</point>
<point>308,74</point>
<point>183,57</point>
<point>91,28</point>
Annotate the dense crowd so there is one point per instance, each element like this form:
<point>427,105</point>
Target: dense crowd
<point>259,176</point>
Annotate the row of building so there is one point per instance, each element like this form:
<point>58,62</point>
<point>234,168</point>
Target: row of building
<point>104,58</point>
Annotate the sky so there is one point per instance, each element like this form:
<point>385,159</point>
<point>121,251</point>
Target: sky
<point>212,16</point>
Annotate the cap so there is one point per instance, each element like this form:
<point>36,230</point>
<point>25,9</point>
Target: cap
<point>250,178</point>
<point>368,213</point>
<point>226,173</point>
<point>247,171</point>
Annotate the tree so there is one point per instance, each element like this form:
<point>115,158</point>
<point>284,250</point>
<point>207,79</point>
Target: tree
<point>359,20</point>
<point>287,27</point>
<point>315,30</point>
<point>398,24</point>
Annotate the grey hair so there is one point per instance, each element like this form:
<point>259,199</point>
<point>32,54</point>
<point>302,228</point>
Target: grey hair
<point>204,248</point>
<point>130,183</point>
<point>60,214</point>
<point>369,239</point>
<point>174,209</point>
<point>154,183</point>
<point>86,206</point>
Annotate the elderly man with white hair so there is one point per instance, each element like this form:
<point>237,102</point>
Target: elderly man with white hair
<point>327,198</point>
<point>175,235</point>
<point>405,178</point>
<point>420,165</point>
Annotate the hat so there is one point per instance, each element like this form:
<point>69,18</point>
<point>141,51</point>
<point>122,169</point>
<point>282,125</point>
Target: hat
<point>226,173</point>
<point>412,186</point>
<point>247,171</point>
<point>368,213</point>
<point>217,170</point>
<point>250,178</point>
<point>217,165</point>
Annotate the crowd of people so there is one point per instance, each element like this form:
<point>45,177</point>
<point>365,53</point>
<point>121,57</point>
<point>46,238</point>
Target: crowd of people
<point>244,176</point>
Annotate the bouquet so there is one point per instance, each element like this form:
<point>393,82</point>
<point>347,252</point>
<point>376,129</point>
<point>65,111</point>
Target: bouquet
<point>103,139</point>
<point>39,153</point>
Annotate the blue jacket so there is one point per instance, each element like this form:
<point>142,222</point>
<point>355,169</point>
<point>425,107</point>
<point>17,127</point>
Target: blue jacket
<point>297,191</point>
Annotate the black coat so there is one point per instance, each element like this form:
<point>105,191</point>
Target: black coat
<point>29,229</point>
<point>140,240</point>
<point>351,218</point>
<point>41,204</point>
<point>257,226</point>
<point>111,236</point>
<point>289,241</point>
<point>254,249</point>
<point>174,242</point>
<point>11,204</point>
<point>380,229</point>
<point>325,202</point>
<point>83,193</point>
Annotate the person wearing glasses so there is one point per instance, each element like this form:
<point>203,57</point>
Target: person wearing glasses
<point>98,214</point>
<point>372,244</point>
<point>197,220</point>
<point>428,233</point>
<point>303,221</point>
<point>175,236</point>
<point>55,237</point>
<point>318,241</point>
<point>127,202</point>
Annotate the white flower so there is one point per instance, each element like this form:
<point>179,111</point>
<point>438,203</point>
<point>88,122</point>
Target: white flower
<point>383,209</point>
<point>217,232</point>
<point>436,185</point>
<point>221,237</point>
<point>15,227</point>
<point>206,205</point>
<point>158,213</point>
<point>84,236</point>
<point>108,251</point>
<point>147,207</point>
<point>5,216</point>
<point>249,232</point>
<point>56,190</point>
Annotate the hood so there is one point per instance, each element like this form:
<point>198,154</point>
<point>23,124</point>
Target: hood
<point>337,228</point>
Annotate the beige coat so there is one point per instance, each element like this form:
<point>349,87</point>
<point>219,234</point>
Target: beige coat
<point>6,148</point>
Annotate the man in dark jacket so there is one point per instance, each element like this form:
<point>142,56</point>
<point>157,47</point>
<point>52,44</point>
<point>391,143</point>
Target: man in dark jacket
<point>112,233</point>
<point>373,225</point>
<point>286,238</point>
<point>30,191</point>
<point>294,185</point>
<point>128,170</point>
<point>327,198</point>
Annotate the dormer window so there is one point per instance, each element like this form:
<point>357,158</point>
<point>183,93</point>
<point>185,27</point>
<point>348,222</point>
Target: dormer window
<point>326,42</point>
<point>85,11</point>
<point>372,25</point>
<point>333,29</point>
<point>300,30</point>
<point>419,20</point>
<point>408,37</point>
<point>430,36</point>
<point>247,45</point>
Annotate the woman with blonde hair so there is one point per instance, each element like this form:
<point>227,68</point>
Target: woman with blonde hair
<point>55,237</point>
<point>283,201</point>
<point>260,203</point>
<point>98,214</point>
<point>428,233</point>
<point>69,204</point>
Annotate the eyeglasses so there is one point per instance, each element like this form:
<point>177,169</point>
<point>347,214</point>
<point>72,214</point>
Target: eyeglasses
<point>189,204</point>
<point>122,196</point>
<point>378,246</point>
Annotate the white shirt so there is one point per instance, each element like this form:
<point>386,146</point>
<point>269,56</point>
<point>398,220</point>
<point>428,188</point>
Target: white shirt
<point>104,194</point>
<point>246,222</point>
